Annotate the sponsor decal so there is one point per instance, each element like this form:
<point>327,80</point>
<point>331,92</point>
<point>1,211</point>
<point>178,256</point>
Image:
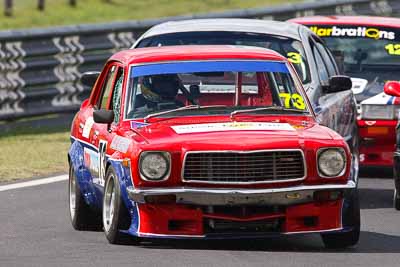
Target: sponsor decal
<point>358,85</point>
<point>102,163</point>
<point>120,144</point>
<point>138,125</point>
<point>232,126</point>
<point>87,127</point>
<point>91,160</point>
<point>365,32</point>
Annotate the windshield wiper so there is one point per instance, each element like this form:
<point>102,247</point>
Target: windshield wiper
<point>274,108</point>
<point>191,107</point>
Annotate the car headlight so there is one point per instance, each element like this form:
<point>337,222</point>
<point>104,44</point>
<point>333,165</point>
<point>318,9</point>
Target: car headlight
<point>154,165</point>
<point>375,112</point>
<point>331,162</point>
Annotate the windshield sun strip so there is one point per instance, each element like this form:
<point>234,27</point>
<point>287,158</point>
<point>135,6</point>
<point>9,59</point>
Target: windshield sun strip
<point>289,71</point>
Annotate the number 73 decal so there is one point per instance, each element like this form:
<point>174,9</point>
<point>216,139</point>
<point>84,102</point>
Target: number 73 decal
<point>295,99</point>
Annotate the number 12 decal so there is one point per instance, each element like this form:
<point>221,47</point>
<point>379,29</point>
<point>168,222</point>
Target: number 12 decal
<point>393,49</point>
<point>296,99</point>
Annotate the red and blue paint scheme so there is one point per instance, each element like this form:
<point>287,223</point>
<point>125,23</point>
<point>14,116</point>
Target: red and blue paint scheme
<point>370,49</point>
<point>215,129</point>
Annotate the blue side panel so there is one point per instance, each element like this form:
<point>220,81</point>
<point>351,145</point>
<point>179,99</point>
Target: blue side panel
<point>83,175</point>
<point>124,176</point>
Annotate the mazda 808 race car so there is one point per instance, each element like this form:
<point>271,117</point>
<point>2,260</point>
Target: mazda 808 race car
<point>392,88</point>
<point>311,58</point>
<point>207,142</point>
<point>370,51</point>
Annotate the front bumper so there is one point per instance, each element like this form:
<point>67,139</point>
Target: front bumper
<point>237,213</point>
<point>223,196</point>
<point>377,142</point>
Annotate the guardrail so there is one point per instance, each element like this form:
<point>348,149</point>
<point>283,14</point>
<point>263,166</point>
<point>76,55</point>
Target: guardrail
<point>40,68</point>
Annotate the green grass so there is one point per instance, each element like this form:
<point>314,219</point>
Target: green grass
<point>58,12</point>
<point>33,152</point>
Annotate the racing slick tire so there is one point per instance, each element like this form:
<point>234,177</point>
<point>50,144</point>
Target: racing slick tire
<point>396,200</point>
<point>115,214</point>
<point>350,238</point>
<point>82,216</point>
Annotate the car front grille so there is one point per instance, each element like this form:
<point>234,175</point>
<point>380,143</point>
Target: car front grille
<point>243,167</point>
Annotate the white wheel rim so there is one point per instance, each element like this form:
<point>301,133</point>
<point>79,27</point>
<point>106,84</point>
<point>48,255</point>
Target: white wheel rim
<point>72,194</point>
<point>356,160</point>
<point>109,204</point>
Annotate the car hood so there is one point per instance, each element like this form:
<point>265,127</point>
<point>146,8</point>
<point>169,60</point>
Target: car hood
<point>233,135</point>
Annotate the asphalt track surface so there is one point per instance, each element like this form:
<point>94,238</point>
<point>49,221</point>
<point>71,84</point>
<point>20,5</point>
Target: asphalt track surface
<point>35,231</point>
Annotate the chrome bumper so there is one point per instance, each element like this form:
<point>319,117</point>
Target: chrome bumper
<point>236,196</point>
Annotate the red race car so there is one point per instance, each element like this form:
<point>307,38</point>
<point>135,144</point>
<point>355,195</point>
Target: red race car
<point>207,142</point>
<point>369,48</point>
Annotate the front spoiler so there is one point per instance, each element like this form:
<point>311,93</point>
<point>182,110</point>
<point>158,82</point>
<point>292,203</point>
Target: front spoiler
<point>236,196</point>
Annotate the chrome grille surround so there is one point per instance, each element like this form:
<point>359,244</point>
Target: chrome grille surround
<point>273,174</point>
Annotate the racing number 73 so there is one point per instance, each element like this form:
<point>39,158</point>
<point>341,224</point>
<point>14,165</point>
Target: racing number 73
<point>296,99</point>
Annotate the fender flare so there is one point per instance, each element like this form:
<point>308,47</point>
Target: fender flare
<point>125,180</point>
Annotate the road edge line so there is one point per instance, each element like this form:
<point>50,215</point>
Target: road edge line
<point>43,181</point>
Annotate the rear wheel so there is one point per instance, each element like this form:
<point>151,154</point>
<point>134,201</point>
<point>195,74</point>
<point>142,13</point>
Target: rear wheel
<point>82,216</point>
<point>115,214</point>
<point>396,200</point>
<point>350,238</point>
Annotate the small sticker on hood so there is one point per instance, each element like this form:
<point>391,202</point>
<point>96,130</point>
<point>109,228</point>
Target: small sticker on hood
<point>137,125</point>
<point>120,144</point>
<point>232,126</point>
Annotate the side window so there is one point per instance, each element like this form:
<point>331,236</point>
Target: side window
<point>322,70</point>
<point>330,64</point>
<point>116,96</point>
<point>107,86</point>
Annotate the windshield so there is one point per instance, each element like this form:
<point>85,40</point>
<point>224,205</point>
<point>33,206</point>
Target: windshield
<point>212,88</point>
<point>370,53</point>
<point>288,47</point>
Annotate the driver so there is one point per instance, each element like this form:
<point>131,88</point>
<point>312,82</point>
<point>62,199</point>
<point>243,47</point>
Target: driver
<point>159,92</point>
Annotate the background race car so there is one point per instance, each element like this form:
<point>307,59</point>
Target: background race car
<point>369,51</point>
<point>314,63</point>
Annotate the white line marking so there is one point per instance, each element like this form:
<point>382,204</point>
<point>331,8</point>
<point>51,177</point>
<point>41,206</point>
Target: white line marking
<point>34,182</point>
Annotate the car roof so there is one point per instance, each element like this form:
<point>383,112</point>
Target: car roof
<point>229,25</point>
<point>349,20</point>
<point>195,52</point>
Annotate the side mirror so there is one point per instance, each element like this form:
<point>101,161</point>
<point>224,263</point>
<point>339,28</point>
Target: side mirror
<point>103,116</point>
<point>338,83</point>
<point>392,88</point>
<point>89,78</point>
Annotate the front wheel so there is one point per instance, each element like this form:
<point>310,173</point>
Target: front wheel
<point>350,238</point>
<point>115,214</point>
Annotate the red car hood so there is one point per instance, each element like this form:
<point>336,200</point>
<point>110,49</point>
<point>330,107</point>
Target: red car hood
<point>249,135</point>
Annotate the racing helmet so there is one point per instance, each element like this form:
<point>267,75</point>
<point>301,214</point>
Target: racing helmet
<point>161,87</point>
